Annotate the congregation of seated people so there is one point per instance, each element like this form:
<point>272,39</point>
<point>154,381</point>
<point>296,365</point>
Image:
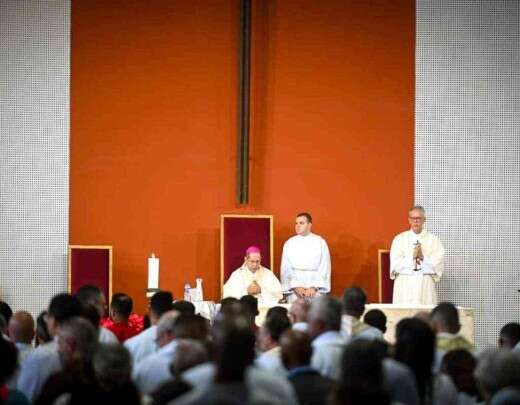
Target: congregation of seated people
<point>319,351</point>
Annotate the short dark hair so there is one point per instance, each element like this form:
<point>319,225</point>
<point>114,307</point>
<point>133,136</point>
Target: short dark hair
<point>447,316</point>
<point>88,294</point>
<point>9,356</point>
<point>362,375</point>
<point>6,311</point>
<point>376,318</point>
<point>234,347</point>
<point>306,215</point>
<point>276,324</point>
<point>231,307</point>
<point>277,310</point>
<point>42,332</point>
<point>415,347</point>
<point>296,349</point>
<point>354,300</point>
<point>64,307</point>
<point>512,331</point>
<point>91,314</point>
<point>122,304</point>
<point>460,364</point>
<point>228,301</point>
<point>161,302</point>
<point>184,307</point>
<point>250,305</point>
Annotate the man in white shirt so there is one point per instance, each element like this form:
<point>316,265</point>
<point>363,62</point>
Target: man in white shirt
<point>91,295</point>
<point>145,343</point>
<point>44,361</point>
<point>268,341</point>
<point>305,268</point>
<point>445,322</point>
<point>354,300</point>
<point>232,378</point>
<point>21,333</point>
<point>327,344</point>
<point>254,279</point>
<point>154,369</point>
<point>416,262</point>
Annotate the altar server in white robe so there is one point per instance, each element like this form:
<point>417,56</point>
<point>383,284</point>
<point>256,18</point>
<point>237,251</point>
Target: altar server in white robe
<point>254,279</point>
<point>416,262</point>
<point>305,269</point>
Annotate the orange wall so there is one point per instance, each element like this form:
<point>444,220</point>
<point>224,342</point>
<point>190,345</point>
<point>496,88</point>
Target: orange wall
<point>153,130</point>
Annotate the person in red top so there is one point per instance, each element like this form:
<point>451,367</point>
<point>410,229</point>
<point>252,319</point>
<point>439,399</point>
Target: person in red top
<point>122,322</point>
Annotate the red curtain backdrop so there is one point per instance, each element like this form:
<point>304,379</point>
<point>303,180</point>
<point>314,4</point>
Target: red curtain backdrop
<point>241,233</point>
<point>153,131</point>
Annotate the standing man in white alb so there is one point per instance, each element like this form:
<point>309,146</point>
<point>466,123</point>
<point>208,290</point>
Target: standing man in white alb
<point>305,270</point>
<point>416,262</point>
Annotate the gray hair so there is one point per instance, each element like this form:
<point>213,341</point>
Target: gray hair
<point>112,365</point>
<point>167,323</point>
<point>188,353</point>
<point>326,309</point>
<point>418,208</point>
<point>496,369</point>
<point>84,335</point>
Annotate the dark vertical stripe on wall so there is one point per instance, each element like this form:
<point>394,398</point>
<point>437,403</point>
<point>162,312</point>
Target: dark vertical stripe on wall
<point>243,104</point>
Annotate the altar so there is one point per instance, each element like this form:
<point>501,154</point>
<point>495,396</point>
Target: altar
<point>394,313</point>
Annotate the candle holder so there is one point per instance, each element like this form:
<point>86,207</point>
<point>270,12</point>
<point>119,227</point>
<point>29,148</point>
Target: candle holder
<point>151,291</point>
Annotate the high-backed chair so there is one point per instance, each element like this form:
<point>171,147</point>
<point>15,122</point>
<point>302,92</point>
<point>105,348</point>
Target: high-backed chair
<point>237,233</point>
<point>386,285</point>
<point>90,265</point>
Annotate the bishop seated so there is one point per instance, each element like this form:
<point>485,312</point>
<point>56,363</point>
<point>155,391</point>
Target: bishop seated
<point>254,279</point>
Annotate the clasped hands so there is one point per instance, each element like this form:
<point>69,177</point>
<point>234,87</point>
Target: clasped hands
<point>254,288</point>
<point>302,292</point>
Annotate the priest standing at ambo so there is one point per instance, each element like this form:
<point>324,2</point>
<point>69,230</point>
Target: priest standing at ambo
<point>416,262</point>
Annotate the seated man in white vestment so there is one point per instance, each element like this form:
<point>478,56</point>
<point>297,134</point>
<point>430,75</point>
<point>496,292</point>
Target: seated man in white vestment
<point>254,279</point>
<point>416,262</point>
<point>305,269</point>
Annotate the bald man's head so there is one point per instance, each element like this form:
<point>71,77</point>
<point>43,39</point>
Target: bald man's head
<point>21,327</point>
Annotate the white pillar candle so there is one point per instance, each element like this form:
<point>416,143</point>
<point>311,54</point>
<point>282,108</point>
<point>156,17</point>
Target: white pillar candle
<point>153,272</point>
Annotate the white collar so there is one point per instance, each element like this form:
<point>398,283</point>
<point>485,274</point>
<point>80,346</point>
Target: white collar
<point>419,235</point>
<point>328,336</point>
